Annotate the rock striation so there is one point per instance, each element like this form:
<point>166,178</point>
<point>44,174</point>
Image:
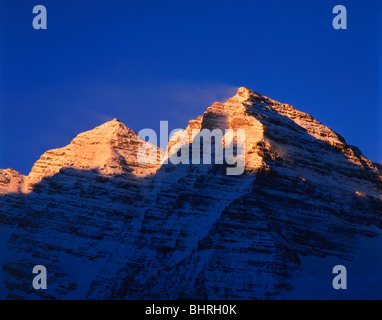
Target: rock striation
<point>108,227</point>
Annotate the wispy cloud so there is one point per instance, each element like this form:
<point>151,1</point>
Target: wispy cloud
<point>188,95</point>
<point>138,106</point>
<point>101,116</point>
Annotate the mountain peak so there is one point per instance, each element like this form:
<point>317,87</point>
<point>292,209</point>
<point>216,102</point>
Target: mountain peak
<point>112,126</point>
<point>112,123</point>
<point>85,212</point>
<point>244,94</point>
<point>110,149</point>
<point>10,180</point>
<point>277,132</point>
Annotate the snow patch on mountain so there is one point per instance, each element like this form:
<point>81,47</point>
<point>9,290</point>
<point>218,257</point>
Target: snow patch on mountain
<point>109,227</point>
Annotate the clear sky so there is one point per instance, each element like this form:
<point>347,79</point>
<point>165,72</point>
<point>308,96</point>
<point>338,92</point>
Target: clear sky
<point>146,61</point>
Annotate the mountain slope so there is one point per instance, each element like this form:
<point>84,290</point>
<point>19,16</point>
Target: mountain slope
<point>106,226</point>
<point>304,192</point>
<point>78,201</point>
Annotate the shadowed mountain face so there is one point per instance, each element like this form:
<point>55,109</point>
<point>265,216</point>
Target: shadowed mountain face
<point>107,227</point>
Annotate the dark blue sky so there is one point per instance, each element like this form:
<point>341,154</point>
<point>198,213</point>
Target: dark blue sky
<point>146,61</point>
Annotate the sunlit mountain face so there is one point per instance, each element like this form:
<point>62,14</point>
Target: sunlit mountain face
<point>107,226</point>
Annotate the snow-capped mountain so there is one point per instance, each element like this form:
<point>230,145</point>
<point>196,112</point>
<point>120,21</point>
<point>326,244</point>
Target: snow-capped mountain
<point>108,227</point>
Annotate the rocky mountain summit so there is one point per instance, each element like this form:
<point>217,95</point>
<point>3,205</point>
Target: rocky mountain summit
<point>108,227</point>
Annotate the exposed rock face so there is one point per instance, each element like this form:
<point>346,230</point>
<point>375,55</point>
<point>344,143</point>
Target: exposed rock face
<point>12,205</point>
<point>80,198</point>
<point>106,226</point>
